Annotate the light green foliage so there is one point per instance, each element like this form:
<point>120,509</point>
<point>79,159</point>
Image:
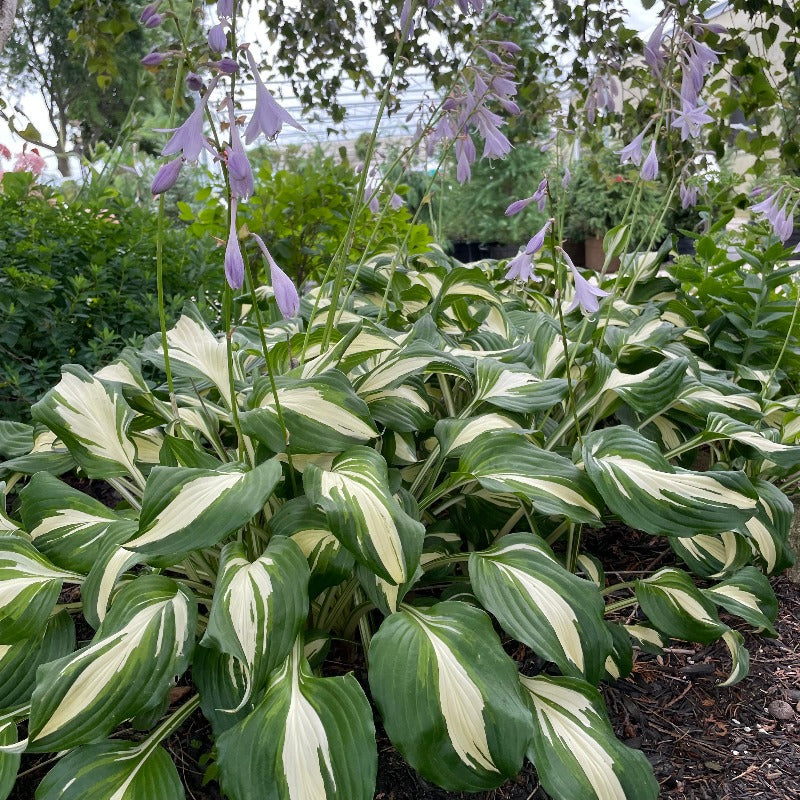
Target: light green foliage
<point>430,474</point>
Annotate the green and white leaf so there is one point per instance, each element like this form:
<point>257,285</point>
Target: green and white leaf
<point>558,615</point>
<point>19,661</point>
<point>308,739</point>
<point>185,509</point>
<point>259,607</point>
<point>113,770</point>
<point>143,643</point>
<point>455,434</point>
<point>768,529</point>
<point>648,493</point>
<point>29,588</point>
<point>677,608</point>
<point>224,687</point>
<point>404,408</point>
<point>651,391</point>
<point>506,462</point>
<point>749,595</point>
<point>449,696</point>
<point>784,455</point>
<point>321,414</point>
<point>740,657</point>
<point>363,514</point>
<point>514,387</point>
<point>108,571</point>
<point>330,563</point>
<point>67,525</point>
<point>713,555</point>
<point>9,761</point>
<point>92,420</point>
<point>573,747</point>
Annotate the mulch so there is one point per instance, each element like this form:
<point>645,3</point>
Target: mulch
<point>705,742</point>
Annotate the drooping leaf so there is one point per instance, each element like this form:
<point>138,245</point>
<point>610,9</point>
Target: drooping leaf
<point>143,643</point>
<point>648,493</point>
<point>784,455</point>
<point>259,607</point>
<point>712,555</point>
<point>113,770</point>
<point>455,434</point>
<point>322,415</point>
<point>514,387</point>
<point>768,529</point>
<point>558,615</point>
<point>29,589</point>
<point>68,526</point>
<point>507,462</point>
<point>224,686</point>
<point>573,747</point>
<point>185,509</point>
<point>363,514</point>
<point>677,608</point>
<point>9,762</point>
<point>749,595</point>
<point>308,738</point>
<point>740,657</point>
<point>92,420</point>
<point>449,696</point>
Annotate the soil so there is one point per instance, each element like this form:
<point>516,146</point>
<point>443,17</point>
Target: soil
<point>705,742</point>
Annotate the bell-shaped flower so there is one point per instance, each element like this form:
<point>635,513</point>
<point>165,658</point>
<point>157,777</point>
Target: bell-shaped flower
<point>226,65</point>
<point>188,138</point>
<point>632,153</point>
<point>167,176</point>
<point>283,289</point>
<point>520,268</point>
<point>518,205</point>
<point>217,38</point>
<point>234,263</point>
<point>586,296</point>
<point>225,8</point>
<point>268,117</point>
<point>650,166</point>
<point>240,173</point>
<point>690,119</point>
<point>153,59</point>
<point>688,196</point>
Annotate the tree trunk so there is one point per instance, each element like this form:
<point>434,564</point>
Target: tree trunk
<point>8,10</point>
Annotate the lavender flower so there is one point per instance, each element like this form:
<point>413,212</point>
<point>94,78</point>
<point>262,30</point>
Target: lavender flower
<point>540,195</point>
<point>586,295</point>
<point>153,21</point>
<point>650,166</point>
<point>688,196</point>
<point>396,201</point>
<point>632,152</point>
<point>566,179</point>
<point>521,268</point>
<point>234,263</point>
<point>653,52</point>
<point>153,59</point>
<point>282,287</point>
<point>194,83</point>
<point>465,155</point>
<point>148,11</point>
<point>406,23</point>
<point>690,119</point>
<point>268,117</point>
<point>784,221</point>
<point>217,38</point>
<point>536,243</point>
<point>166,176</point>
<point>226,65</point>
<point>188,138</point>
<point>240,173</point>
<point>518,205</point>
<point>225,8</point>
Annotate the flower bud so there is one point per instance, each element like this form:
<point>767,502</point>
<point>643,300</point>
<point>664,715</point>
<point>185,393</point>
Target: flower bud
<point>148,12</point>
<point>217,38</point>
<point>153,59</point>
<point>167,176</point>
<point>225,8</point>
<point>227,66</point>
<point>194,82</point>
<point>153,21</point>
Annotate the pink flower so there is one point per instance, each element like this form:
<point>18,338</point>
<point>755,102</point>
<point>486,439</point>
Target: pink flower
<point>29,162</point>
<point>4,152</point>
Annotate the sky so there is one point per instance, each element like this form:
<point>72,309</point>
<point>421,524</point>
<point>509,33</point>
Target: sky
<point>32,104</point>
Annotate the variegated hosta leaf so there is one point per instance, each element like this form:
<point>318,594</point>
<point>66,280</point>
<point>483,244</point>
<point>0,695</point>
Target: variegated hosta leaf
<point>309,738</point>
<point>539,603</point>
<point>224,687</point>
<point>647,638</point>
<point>514,387</point>
<point>259,607</point>
<point>186,509</point>
<point>143,643</point>
<point>701,399</point>
<point>47,455</point>
<point>449,696</point>
<point>321,414</point>
<point>648,493</point>
<point>619,662</point>
<point>576,754</point>
<point>68,526</point>
<point>415,358</point>
<point>769,528</point>
<point>385,596</point>
<point>92,420</point>
<point>108,570</point>
<point>740,657</point>
<point>16,438</point>
<point>784,455</point>
<point>712,555</point>
<point>117,770</point>
<point>19,661</point>
<point>195,352</point>
<point>329,561</point>
<point>29,588</point>
<point>455,434</point>
<point>9,762</point>
<point>749,595</point>
<point>652,390</point>
<point>507,462</point>
<point>672,602</point>
<point>465,282</point>
<point>363,514</point>
<point>404,408</point>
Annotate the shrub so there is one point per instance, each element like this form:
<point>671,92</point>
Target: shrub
<point>77,283</point>
<point>418,488</point>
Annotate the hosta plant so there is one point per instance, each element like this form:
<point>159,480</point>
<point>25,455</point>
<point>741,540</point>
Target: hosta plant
<point>412,492</point>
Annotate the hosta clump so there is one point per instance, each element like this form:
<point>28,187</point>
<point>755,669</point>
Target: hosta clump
<point>417,486</point>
